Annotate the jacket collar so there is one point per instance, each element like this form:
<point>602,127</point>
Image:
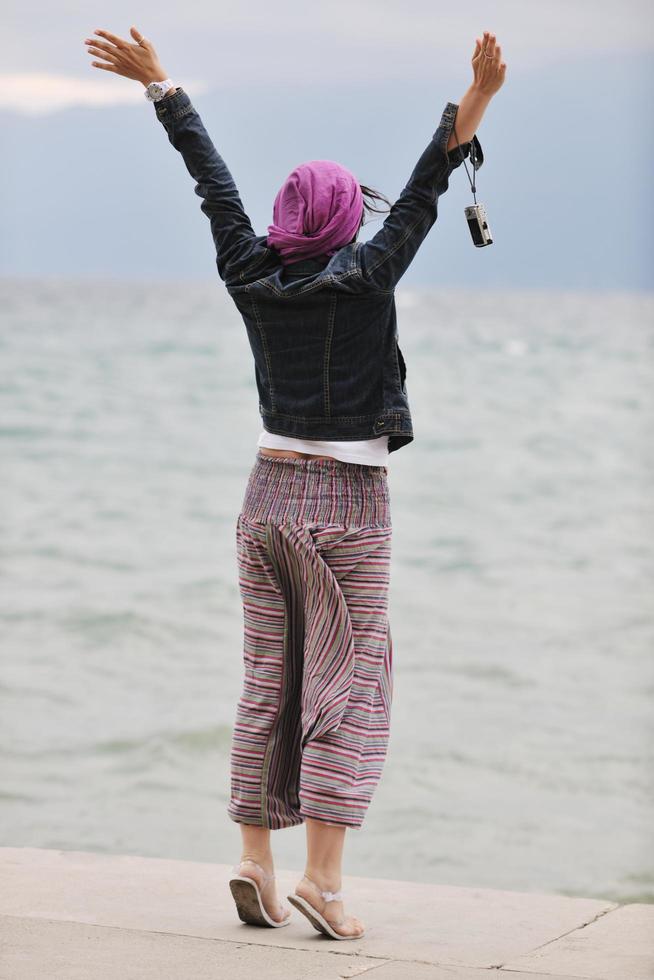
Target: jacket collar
<point>309,265</point>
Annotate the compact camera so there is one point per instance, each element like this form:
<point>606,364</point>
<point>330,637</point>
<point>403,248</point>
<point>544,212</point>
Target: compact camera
<point>476,213</point>
<point>478,225</point>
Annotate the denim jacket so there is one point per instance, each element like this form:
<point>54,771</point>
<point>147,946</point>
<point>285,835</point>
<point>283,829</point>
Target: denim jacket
<point>323,331</point>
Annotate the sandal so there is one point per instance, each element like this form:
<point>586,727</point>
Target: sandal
<point>247,896</point>
<point>316,918</point>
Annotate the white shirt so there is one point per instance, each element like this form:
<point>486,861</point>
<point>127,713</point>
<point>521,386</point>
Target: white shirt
<point>369,452</point>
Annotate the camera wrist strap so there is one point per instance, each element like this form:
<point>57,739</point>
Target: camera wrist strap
<point>473,158</point>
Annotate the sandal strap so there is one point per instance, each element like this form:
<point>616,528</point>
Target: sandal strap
<point>328,896</point>
<point>332,896</point>
<point>267,877</point>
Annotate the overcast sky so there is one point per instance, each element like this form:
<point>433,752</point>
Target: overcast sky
<point>567,140</point>
<point>208,45</point>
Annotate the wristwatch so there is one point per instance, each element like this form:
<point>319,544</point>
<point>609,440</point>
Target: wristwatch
<point>156,90</point>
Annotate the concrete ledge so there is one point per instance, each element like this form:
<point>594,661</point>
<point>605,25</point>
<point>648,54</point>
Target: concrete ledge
<point>66,915</point>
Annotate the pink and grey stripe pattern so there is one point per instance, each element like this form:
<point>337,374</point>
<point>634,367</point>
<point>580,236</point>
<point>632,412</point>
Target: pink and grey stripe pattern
<point>312,722</point>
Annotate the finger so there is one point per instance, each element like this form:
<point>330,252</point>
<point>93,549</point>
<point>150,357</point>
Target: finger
<point>102,54</point>
<point>498,52</point>
<point>118,41</point>
<point>138,37</point>
<point>99,45</point>
<point>104,64</point>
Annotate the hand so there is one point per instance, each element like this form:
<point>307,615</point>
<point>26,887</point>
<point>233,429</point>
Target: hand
<point>489,70</point>
<point>138,61</point>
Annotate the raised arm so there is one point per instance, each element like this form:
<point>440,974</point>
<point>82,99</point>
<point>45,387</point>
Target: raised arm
<point>233,235</point>
<point>385,258</point>
<point>236,244</point>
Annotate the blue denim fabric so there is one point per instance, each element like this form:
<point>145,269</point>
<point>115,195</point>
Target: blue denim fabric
<point>323,331</point>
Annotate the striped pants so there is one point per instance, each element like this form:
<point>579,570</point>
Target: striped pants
<point>312,721</point>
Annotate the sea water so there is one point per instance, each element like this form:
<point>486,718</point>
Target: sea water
<point>522,583</point>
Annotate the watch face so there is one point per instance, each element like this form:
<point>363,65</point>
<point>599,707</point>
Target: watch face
<point>156,90</point>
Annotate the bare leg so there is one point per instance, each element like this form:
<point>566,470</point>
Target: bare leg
<point>256,847</point>
<point>325,844</point>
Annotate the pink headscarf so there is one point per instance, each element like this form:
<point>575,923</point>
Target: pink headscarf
<point>317,210</point>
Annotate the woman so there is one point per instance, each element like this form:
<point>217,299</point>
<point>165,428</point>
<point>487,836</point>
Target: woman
<point>314,532</point>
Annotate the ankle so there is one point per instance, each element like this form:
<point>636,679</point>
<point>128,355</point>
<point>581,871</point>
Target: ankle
<point>327,879</point>
<point>264,858</point>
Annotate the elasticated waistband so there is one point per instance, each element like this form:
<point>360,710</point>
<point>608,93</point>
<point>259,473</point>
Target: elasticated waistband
<point>285,489</point>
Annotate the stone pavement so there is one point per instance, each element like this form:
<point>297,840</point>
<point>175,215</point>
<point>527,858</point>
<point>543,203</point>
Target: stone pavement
<point>75,915</point>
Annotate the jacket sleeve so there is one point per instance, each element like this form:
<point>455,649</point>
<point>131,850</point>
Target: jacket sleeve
<point>234,238</point>
<point>385,258</point>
